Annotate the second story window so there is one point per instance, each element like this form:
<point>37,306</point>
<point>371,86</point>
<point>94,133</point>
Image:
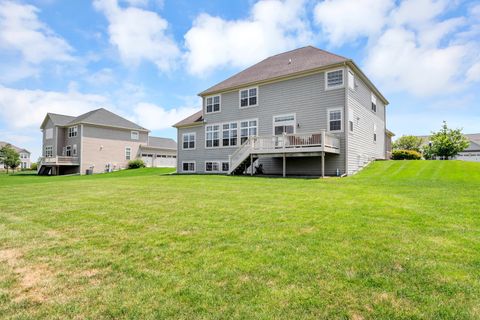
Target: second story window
<point>49,133</point>
<point>212,136</point>
<point>229,134</point>
<point>212,104</point>
<point>374,103</point>
<point>334,79</point>
<point>188,141</point>
<point>248,97</point>
<point>72,131</point>
<point>335,120</point>
<point>134,135</point>
<point>351,80</point>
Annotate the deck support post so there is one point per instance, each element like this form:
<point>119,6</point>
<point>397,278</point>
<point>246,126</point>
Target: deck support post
<point>284,166</point>
<point>323,164</point>
<point>251,164</point>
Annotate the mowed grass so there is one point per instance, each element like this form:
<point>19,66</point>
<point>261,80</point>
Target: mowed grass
<point>400,240</point>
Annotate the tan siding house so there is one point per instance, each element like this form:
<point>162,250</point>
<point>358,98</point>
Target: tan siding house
<point>97,141</point>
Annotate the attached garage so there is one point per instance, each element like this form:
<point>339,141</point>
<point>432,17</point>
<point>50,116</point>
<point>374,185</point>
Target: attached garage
<point>159,153</point>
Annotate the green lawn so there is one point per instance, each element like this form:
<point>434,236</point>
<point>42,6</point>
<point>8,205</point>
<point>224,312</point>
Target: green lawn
<point>400,240</point>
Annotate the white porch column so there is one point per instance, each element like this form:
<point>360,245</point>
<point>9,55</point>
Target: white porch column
<point>323,164</point>
<point>284,166</point>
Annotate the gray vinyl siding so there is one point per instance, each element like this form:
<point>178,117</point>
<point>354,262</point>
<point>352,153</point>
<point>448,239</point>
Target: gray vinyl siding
<point>361,146</point>
<point>49,142</point>
<point>91,131</point>
<point>305,96</point>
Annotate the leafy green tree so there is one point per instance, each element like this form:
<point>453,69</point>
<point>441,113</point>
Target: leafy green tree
<point>447,143</point>
<point>408,143</point>
<point>9,157</point>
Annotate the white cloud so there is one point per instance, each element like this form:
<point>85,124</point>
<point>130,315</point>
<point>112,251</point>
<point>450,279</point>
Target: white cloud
<point>155,117</point>
<point>273,26</point>
<point>139,34</point>
<point>343,21</point>
<point>27,108</point>
<point>22,31</point>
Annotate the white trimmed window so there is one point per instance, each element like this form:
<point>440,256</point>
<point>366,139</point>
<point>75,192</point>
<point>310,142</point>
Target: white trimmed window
<point>49,133</point>
<point>351,80</point>
<point>68,151</point>
<point>334,79</point>
<point>225,166</point>
<point>48,151</point>
<point>212,104</point>
<point>374,103</point>
<point>335,120</point>
<point>284,124</point>
<point>212,136</point>
<point>229,134</point>
<point>72,131</point>
<point>248,97</point>
<point>134,135</point>
<point>188,166</point>
<point>188,141</point>
<point>374,132</point>
<point>74,150</point>
<point>212,166</point>
<point>248,128</point>
<point>128,153</point>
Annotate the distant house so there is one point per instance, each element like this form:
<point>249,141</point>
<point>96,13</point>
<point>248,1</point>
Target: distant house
<point>301,112</point>
<point>471,153</point>
<point>99,141</point>
<point>24,156</point>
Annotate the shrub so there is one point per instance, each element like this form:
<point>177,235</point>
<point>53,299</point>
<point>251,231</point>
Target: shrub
<point>33,166</point>
<point>135,164</point>
<point>406,155</point>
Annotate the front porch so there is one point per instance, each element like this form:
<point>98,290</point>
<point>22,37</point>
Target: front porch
<point>284,146</point>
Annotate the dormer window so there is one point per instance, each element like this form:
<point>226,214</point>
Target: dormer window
<point>72,131</point>
<point>248,97</point>
<point>334,79</point>
<point>212,104</point>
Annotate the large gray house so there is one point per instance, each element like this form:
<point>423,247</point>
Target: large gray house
<point>302,112</point>
<point>99,141</point>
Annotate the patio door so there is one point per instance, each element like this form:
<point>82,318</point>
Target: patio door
<point>283,124</point>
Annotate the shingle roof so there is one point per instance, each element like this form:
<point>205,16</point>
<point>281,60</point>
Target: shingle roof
<point>161,143</point>
<point>3,143</point>
<point>60,119</point>
<point>197,117</point>
<point>106,118</point>
<point>280,65</point>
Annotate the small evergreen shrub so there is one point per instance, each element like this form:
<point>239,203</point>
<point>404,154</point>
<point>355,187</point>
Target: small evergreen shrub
<point>406,155</point>
<point>136,164</point>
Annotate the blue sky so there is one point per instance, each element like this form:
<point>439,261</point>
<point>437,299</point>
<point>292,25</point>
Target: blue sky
<point>147,60</point>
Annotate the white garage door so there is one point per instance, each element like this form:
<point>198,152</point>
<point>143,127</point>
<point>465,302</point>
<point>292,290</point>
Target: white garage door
<point>148,159</point>
<point>163,160</point>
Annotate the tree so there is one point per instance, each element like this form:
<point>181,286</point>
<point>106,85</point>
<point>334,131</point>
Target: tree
<point>9,157</point>
<point>446,143</point>
<point>408,143</point>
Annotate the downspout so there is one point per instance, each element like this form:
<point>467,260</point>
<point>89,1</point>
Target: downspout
<point>345,117</point>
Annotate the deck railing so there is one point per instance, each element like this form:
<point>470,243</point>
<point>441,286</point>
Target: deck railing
<point>284,143</point>
<point>60,160</point>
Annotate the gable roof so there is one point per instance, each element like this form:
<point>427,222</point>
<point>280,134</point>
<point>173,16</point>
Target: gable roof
<point>101,117</point>
<point>280,65</point>
<point>196,118</point>
<point>104,117</point>
<point>3,143</point>
<point>161,143</point>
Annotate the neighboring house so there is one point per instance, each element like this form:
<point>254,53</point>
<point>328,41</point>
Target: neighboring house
<point>388,143</point>
<point>24,156</point>
<point>471,153</point>
<point>97,141</point>
<point>302,112</point>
